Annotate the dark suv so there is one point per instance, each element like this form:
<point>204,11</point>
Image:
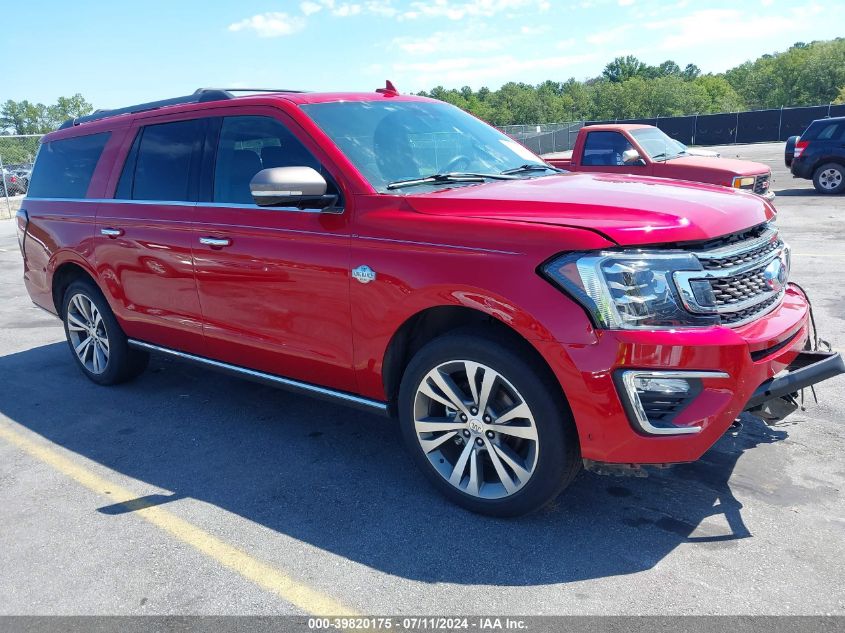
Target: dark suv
<point>819,155</point>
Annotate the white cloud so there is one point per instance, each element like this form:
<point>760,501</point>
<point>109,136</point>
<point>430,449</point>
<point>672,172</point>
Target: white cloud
<point>309,7</point>
<point>709,26</point>
<point>383,8</point>
<point>608,35</point>
<point>345,10</point>
<point>534,29</point>
<point>472,40</point>
<point>467,8</point>
<point>271,24</point>
<point>625,3</point>
<point>475,70</point>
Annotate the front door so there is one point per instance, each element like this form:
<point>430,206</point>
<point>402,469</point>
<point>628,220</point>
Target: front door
<point>273,282</point>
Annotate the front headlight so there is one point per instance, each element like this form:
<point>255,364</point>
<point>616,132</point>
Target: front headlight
<point>625,290</point>
<point>744,182</point>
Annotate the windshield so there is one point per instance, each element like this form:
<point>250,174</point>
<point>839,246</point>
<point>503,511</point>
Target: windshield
<point>395,141</point>
<point>657,144</point>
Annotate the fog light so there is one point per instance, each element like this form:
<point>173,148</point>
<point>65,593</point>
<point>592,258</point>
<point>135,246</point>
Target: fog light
<point>653,399</point>
<point>662,385</point>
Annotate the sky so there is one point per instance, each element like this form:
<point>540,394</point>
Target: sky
<point>116,55</point>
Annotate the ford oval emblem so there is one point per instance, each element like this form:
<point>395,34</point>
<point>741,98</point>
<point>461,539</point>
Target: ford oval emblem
<point>775,275</point>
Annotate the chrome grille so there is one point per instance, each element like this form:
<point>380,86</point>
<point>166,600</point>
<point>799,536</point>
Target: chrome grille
<point>739,317</point>
<point>738,282</point>
<point>761,183</point>
<point>742,257</point>
<point>738,289</point>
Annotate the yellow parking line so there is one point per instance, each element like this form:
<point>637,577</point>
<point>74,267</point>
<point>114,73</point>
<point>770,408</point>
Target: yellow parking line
<point>262,574</point>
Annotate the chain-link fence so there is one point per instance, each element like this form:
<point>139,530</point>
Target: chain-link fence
<point>545,138</point>
<point>17,153</point>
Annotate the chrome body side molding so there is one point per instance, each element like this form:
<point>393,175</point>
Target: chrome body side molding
<point>373,406</point>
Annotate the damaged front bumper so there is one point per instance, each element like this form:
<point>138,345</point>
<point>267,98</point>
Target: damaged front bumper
<point>776,398</point>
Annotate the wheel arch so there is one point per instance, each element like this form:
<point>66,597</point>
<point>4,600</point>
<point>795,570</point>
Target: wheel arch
<point>427,324</point>
<point>838,160</point>
<point>63,276</point>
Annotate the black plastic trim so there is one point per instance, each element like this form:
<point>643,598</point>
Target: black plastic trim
<point>200,96</point>
<point>807,369</point>
<point>760,354</point>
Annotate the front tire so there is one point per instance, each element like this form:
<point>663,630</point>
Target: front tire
<point>829,178</point>
<point>487,425</point>
<point>96,340</point>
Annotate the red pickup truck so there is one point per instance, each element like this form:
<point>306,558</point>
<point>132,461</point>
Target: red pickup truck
<point>396,254</point>
<point>645,150</point>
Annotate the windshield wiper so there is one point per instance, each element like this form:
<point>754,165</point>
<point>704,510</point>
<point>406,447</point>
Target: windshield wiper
<point>446,178</point>
<point>662,157</point>
<point>533,167</point>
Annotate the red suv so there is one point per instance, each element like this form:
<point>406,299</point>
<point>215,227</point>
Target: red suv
<point>396,254</point>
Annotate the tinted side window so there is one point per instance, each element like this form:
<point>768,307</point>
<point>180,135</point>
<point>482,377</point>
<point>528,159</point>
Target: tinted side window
<point>64,168</point>
<point>160,168</point>
<point>828,132</point>
<point>249,144</point>
<point>824,131</point>
<point>604,148</point>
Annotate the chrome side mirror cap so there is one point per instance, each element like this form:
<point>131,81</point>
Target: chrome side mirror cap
<point>632,157</point>
<point>302,187</point>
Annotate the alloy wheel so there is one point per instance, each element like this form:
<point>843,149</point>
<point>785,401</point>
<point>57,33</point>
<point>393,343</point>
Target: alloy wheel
<point>87,332</point>
<point>476,429</point>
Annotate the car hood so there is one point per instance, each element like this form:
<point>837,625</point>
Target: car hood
<point>732,166</point>
<point>630,210</point>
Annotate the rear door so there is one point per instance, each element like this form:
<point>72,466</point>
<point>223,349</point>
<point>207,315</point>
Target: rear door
<point>273,282</point>
<point>144,234</point>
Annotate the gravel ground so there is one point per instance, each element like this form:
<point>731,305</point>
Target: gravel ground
<point>308,496</point>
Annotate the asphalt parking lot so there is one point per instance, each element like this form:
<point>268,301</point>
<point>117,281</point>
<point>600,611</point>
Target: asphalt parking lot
<point>187,492</point>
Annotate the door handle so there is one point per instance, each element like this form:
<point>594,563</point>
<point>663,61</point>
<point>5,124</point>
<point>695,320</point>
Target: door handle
<point>112,233</point>
<point>216,242</point>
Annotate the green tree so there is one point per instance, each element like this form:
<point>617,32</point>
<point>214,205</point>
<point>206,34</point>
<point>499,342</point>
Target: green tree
<point>623,68</point>
<point>806,74</point>
<point>721,96</point>
<point>69,108</point>
<point>691,71</point>
<point>840,98</point>
<point>666,69</point>
<point>23,117</point>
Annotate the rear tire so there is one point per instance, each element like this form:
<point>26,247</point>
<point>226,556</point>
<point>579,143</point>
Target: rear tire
<point>96,340</point>
<point>829,178</point>
<point>508,458</point>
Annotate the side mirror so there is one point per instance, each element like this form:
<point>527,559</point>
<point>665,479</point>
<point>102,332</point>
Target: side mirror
<point>632,157</point>
<point>301,187</point>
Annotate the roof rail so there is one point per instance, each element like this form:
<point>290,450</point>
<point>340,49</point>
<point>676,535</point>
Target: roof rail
<point>200,96</point>
<point>255,90</point>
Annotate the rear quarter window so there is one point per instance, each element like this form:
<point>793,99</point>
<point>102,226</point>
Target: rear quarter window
<point>824,131</point>
<point>63,168</point>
